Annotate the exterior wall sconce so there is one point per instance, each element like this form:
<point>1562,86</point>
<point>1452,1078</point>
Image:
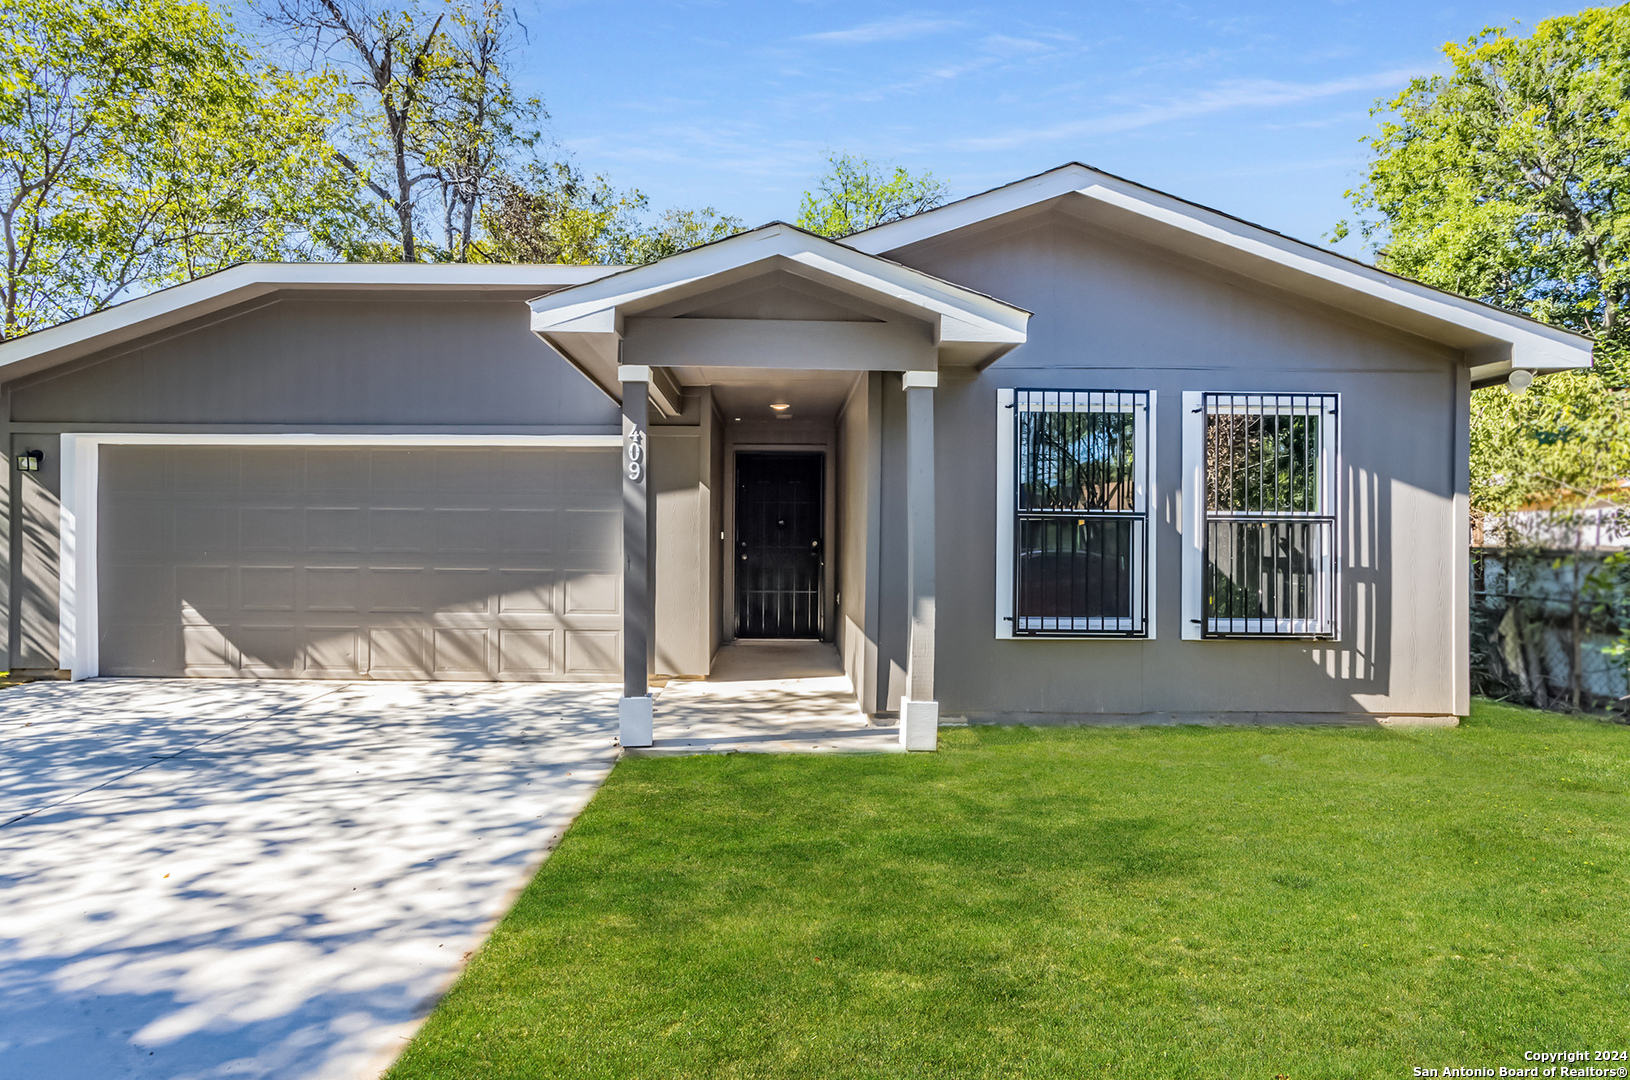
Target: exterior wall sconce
<point>780,406</point>
<point>29,461</point>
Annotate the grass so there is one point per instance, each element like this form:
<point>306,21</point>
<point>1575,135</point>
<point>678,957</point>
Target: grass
<point>1176,902</point>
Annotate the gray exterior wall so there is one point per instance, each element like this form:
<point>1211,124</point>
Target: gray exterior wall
<point>421,363</point>
<point>683,485</point>
<point>859,459</point>
<point>33,522</point>
<point>439,364</point>
<point>1109,315</point>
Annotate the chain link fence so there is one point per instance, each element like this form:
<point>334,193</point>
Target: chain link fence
<point>1545,626</point>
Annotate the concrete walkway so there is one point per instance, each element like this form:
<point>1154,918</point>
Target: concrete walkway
<point>211,879</point>
<point>767,697</point>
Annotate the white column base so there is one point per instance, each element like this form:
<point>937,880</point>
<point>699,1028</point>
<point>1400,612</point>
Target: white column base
<point>920,725</point>
<point>634,721</point>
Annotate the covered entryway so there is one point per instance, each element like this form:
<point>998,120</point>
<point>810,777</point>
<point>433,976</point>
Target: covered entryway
<point>845,351</point>
<point>339,562</point>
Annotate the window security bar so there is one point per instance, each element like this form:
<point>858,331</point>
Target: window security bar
<point>1081,527</point>
<point>1270,532</point>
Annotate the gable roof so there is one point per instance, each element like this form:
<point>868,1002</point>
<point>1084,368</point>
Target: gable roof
<point>248,282</point>
<point>585,322</point>
<point>1495,339</point>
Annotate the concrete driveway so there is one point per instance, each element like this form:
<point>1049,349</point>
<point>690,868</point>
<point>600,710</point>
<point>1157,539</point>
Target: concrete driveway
<point>213,879</point>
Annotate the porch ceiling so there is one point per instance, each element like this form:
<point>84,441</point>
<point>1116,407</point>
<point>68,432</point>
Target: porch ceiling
<point>775,298</point>
<point>746,394</point>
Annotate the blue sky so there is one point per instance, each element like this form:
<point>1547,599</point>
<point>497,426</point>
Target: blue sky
<point>1255,109</point>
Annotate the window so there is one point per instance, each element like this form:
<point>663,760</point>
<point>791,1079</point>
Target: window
<point>1266,526</point>
<point>1074,510</point>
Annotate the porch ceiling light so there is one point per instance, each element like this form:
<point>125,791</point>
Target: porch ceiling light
<point>780,406</point>
<point>29,461</point>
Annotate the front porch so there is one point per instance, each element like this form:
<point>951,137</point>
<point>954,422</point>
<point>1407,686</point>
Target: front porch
<point>767,696</point>
<point>777,358</point>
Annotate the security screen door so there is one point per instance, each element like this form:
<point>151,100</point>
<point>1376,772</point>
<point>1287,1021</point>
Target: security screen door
<point>780,546</point>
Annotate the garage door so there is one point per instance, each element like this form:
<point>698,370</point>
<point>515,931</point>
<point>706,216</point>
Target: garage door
<point>333,563</point>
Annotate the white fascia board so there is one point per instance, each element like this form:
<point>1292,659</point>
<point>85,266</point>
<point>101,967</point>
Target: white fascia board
<point>972,210</point>
<point>248,281</point>
<point>1534,345</point>
<point>964,314</point>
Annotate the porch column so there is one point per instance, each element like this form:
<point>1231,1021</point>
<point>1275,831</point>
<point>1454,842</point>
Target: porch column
<point>634,710</point>
<point>920,712</point>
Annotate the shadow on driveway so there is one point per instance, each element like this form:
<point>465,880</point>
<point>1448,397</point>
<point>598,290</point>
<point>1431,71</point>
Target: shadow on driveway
<point>211,879</point>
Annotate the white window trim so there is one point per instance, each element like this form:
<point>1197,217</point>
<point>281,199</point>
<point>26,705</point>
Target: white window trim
<point>1144,497</point>
<point>1192,518</point>
<point>78,615</point>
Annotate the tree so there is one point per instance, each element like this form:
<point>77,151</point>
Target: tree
<point>556,214</point>
<point>855,194</point>
<point>1508,178</point>
<point>139,147</point>
<point>432,115</point>
<point>480,126</point>
<point>1565,452</point>
<point>677,230</point>
<point>400,65</point>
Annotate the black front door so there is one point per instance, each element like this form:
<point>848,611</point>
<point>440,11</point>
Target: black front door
<point>780,549</point>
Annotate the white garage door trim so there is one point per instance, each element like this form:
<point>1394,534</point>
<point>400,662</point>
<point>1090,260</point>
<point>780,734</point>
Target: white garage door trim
<point>78,627</point>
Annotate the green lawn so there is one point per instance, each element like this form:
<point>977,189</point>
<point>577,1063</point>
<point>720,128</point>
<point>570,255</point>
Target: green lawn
<point>1158,902</point>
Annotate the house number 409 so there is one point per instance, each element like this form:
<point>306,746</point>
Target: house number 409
<point>636,455</point>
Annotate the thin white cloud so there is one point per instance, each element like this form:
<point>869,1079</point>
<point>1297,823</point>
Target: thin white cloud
<point>899,29</point>
<point>1253,93</point>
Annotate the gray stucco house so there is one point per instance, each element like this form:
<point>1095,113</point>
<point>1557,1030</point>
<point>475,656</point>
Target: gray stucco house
<point>1072,449</point>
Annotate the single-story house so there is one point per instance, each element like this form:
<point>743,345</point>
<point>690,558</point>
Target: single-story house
<point>1069,450</point>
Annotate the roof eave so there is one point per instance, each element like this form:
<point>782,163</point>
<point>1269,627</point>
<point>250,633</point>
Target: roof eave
<point>245,283</point>
<point>598,307</point>
<point>1470,325</point>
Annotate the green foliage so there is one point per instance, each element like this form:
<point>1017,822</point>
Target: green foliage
<point>557,214</point>
<point>1508,178</point>
<point>855,194</point>
<point>677,229</point>
<point>1262,463</point>
<point>437,133</point>
<point>1076,460</point>
<point>480,128</point>
<point>1562,449</point>
<point>1567,446</point>
<point>420,112</point>
<point>141,146</point>
<point>1152,903</point>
